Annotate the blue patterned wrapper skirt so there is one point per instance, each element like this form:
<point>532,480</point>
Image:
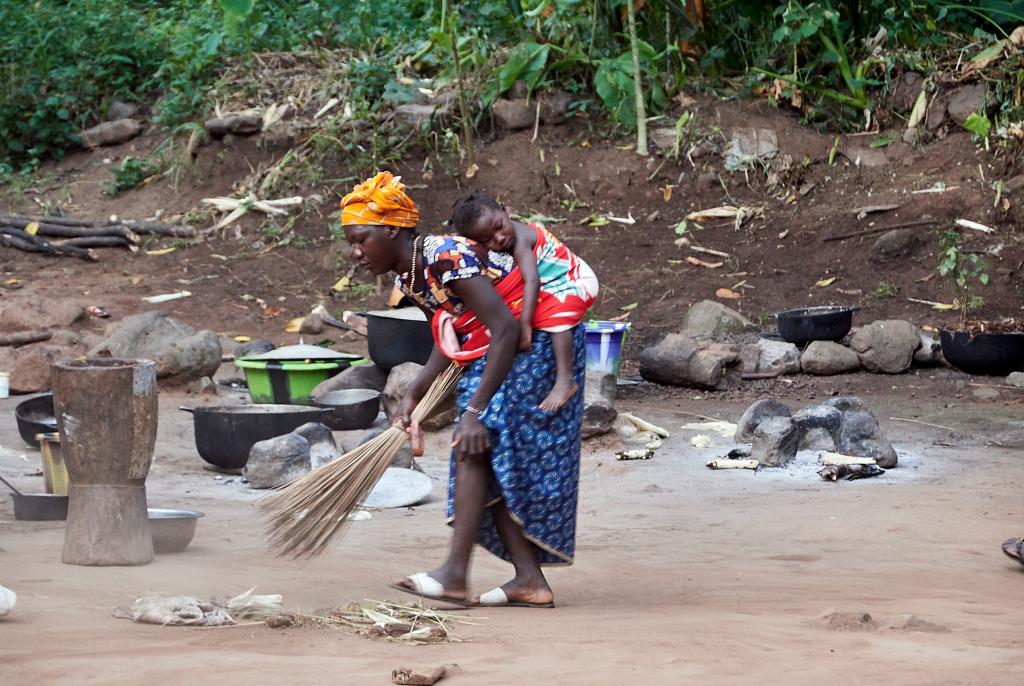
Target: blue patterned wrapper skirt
<point>535,455</point>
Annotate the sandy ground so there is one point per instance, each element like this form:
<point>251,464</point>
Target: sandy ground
<point>682,574</point>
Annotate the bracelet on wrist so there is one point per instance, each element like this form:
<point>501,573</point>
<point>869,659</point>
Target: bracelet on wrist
<point>473,410</point>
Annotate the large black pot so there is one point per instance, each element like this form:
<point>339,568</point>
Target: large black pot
<point>828,323</point>
<point>226,434</point>
<point>35,416</point>
<point>993,354</point>
<point>398,336</point>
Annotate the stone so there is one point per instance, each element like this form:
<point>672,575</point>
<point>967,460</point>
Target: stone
<point>412,116</point>
<point>322,448</point>
<point>663,137</point>
<point>886,346</point>
<point>119,109</point>
<point>514,114</point>
<point>714,320</point>
<point>826,358</point>
<point>937,112</point>
<point>399,380</point>
<point>682,361</point>
<point>760,411</point>
<point>986,393</point>
<point>929,354</point>
<point>180,352</point>
<point>770,358</point>
<point>360,376</point>
<point>834,619</point>
<point>817,439</point>
<point>896,245</point>
<point>846,403</point>
<point>776,441</point>
<point>254,348</point>
<point>554,105</point>
<point>277,461</point>
<point>43,313</point>
<point>966,100</point>
<point>404,458</point>
<point>911,135</point>
<point>31,373</point>
<point>247,123</point>
<point>1016,379</point>
<point>599,412</point>
<point>8,599</point>
<point>860,436</point>
<point>905,91</point>
<point>110,133</point>
<point>818,426</point>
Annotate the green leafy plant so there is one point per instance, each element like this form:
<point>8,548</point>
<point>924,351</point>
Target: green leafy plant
<point>132,172</point>
<point>614,84</point>
<point>816,30</point>
<point>978,124</point>
<point>962,270</point>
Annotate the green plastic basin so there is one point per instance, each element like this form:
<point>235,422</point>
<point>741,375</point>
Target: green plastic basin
<point>289,382</point>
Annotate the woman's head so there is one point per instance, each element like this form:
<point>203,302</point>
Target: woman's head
<point>375,215</point>
<point>480,218</point>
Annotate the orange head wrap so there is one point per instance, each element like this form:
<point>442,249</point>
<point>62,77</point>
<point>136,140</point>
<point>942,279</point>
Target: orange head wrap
<point>381,201</point>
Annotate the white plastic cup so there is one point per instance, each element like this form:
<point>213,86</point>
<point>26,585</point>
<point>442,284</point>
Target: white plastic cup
<point>5,384</point>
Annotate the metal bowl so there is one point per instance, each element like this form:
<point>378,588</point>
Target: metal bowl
<point>172,530</point>
<point>350,409</point>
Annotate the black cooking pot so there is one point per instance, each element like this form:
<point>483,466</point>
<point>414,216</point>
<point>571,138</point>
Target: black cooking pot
<point>349,409</point>
<point>398,336</point>
<point>35,416</point>
<point>226,434</point>
<point>992,354</point>
<point>828,323</point>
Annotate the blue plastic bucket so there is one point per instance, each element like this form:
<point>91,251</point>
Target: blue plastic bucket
<point>604,345</point>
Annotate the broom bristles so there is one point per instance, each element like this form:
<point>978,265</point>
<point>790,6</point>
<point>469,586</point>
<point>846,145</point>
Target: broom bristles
<point>305,515</point>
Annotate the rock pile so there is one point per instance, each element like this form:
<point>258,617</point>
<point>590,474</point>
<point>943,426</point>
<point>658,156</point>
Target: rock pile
<point>843,425</point>
<point>711,351</point>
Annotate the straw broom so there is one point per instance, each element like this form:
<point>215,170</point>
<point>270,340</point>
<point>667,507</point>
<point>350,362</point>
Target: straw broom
<point>306,514</point>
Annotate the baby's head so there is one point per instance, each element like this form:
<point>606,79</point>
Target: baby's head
<point>480,218</point>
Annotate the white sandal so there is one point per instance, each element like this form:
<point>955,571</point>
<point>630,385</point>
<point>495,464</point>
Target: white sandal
<point>496,597</point>
<point>426,586</point>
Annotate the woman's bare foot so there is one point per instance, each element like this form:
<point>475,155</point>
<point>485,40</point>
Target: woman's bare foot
<point>560,394</point>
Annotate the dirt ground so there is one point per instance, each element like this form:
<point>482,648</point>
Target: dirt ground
<point>682,573</point>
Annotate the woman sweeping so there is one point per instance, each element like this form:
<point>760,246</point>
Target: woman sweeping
<point>514,467</point>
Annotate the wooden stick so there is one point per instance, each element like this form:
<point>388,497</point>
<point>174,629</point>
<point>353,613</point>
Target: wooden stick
<point>918,421</point>
<point>45,228</point>
<point>99,242</point>
<point>156,229</point>
<point>25,337</point>
<point>25,241</point>
<point>143,227</point>
<point>880,229</point>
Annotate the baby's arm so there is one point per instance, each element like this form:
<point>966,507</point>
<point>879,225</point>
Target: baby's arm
<point>527,262</point>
